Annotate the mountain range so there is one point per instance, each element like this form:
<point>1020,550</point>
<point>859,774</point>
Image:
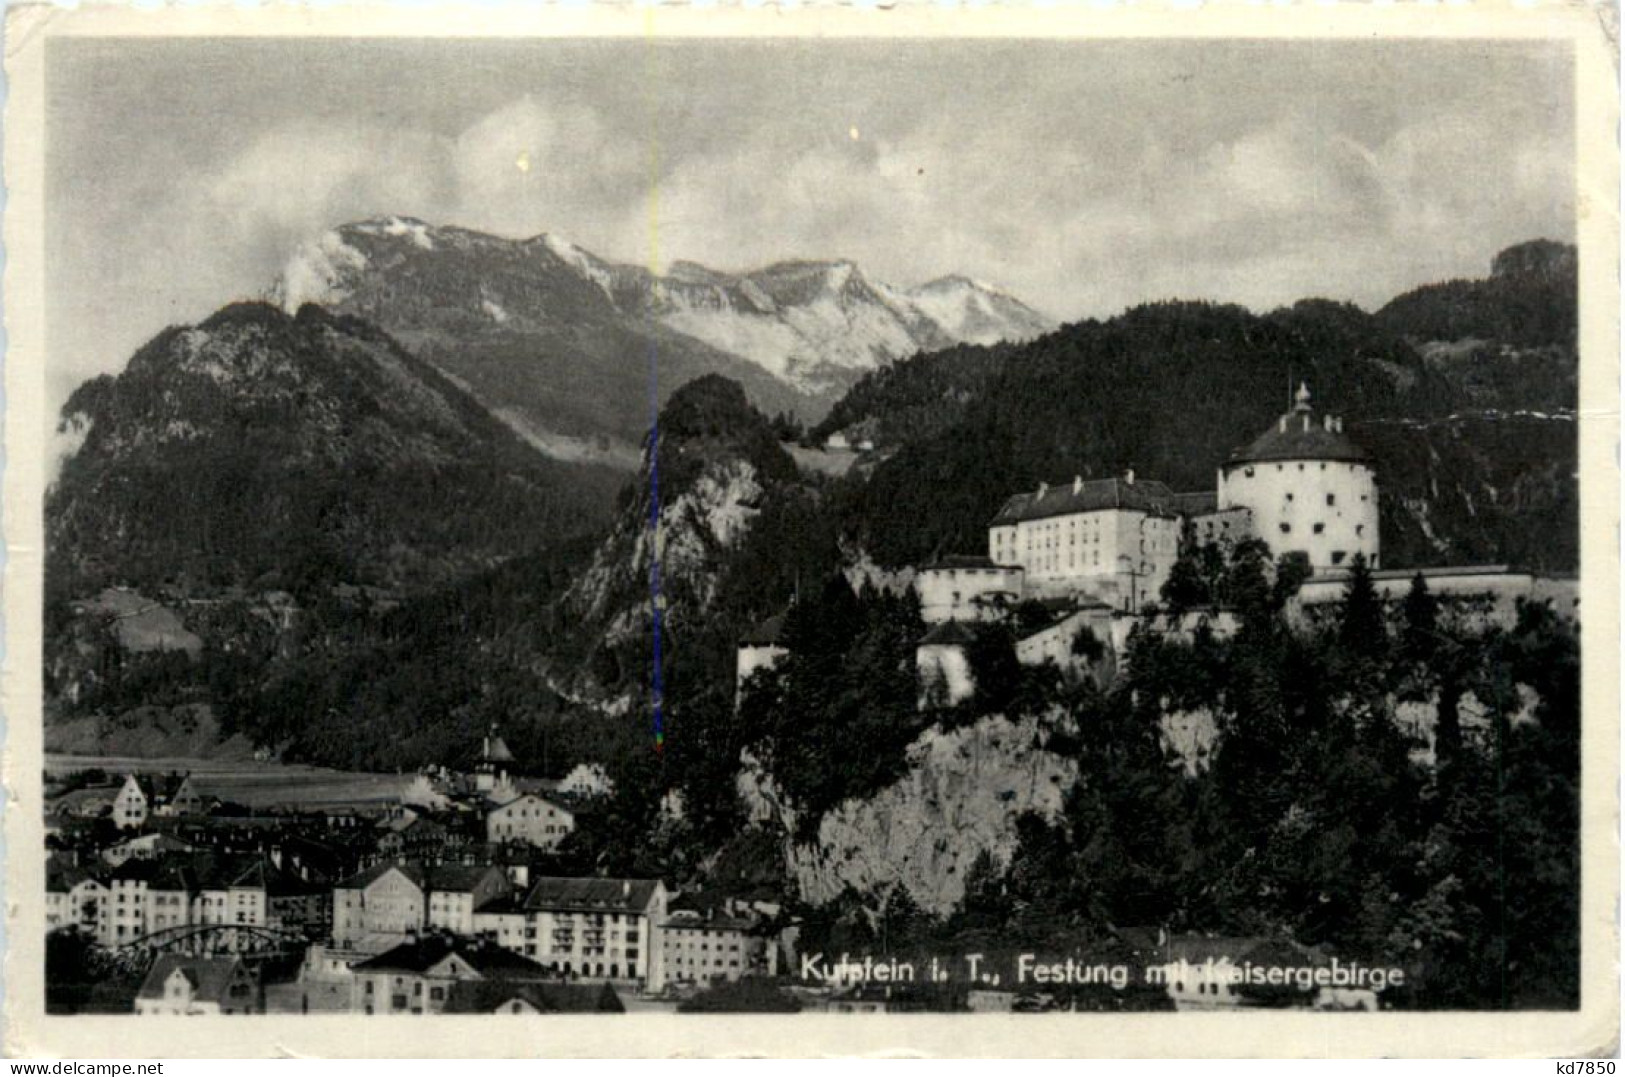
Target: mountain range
<point>574,350</point>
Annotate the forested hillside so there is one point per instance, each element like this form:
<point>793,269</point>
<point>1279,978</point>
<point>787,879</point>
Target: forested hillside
<point>1474,442</point>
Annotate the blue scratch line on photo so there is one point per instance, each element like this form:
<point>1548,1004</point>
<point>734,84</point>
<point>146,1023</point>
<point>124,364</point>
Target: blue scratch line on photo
<point>655,550</point>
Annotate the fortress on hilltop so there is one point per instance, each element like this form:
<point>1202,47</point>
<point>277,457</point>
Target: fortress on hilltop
<point>1302,486</point>
<point>1093,555</point>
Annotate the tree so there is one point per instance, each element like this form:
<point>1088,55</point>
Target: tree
<point>1362,628</point>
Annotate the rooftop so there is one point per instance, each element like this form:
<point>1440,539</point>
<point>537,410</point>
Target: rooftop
<point>591,895</point>
<point>487,996</point>
<point>1092,495</point>
<point>422,954</point>
<point>210,976</point>
<point>948,633</point>
<point>438,877</point>
<point>959,560</point>
<point>766,634</point>
<point>1300,435</point>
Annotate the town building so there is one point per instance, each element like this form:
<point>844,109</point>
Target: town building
<point>73,897</point>
<point>1111,539</point>
<point>379,906</point>
<point>586,781</point>
<point>760,648</point>
<point>177,985</point>
<point>529,819</point>
<point>968,588</point>
<point>942,661</point>
<point>384,904</point>
<point>419,837</point>
<point>145,847</point>
<point>705,942</point>
<point>145,795</point>
<point>132,805</point>
<point>146,897</point>
<point>456,891</point>
<point>1311,491</point>
<point>602,929</point>
<point>417,976</point>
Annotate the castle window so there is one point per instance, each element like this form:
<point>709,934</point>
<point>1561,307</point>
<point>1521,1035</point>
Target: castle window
<point>1286,529</point>
<point>1337,557</point>
<point>1320,529</point>
<point>1359,529</point>
<point>1289,497</point>
<point>1331,499</point>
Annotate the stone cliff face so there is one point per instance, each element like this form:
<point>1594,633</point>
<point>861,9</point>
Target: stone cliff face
<point>963,793</point>
<point>707,471</point>
<point>694,528</point>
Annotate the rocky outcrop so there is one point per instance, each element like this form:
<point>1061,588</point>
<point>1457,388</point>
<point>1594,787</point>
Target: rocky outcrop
<point>693,528</point>
<point>961,797</point>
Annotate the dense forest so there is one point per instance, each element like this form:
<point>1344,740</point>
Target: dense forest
<point>1320,821</point>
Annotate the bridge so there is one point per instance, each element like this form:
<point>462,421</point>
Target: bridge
<point>252,943</point>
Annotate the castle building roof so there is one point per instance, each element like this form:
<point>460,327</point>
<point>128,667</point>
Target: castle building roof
<point>1300,435</point>
<point>966,561</point>
<point>1093,495</point>
<point>766,634</point>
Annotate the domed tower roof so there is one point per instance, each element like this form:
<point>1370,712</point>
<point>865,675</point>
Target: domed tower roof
<point>1301,435</point>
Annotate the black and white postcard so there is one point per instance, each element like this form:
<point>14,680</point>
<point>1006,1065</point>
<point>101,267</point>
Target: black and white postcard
<point>1035,520</point>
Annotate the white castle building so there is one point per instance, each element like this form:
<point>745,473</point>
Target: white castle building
<point>1302,486</point>
<point>1095,552</point>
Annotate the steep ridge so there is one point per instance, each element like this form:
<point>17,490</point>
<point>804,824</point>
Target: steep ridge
<point>259,448</point>
<point>268,486</point>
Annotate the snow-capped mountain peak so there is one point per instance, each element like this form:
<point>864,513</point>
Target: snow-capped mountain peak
<point>976,312</point>
<point>814,326</point>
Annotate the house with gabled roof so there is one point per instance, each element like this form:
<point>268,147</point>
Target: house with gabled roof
<point>386,901</point>
<point>383,904</point>
<point>146,795</point>
<point>190,986</point>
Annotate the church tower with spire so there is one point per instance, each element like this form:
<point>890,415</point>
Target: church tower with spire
<point>1311,490</point>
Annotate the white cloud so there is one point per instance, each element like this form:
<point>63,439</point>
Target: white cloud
<point>530,167</point>
<point>304,176</point>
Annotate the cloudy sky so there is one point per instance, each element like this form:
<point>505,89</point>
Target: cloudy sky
<point>1083,177</point>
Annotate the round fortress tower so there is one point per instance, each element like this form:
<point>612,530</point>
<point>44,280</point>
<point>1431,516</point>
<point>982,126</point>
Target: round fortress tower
<point>1311,490</point>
